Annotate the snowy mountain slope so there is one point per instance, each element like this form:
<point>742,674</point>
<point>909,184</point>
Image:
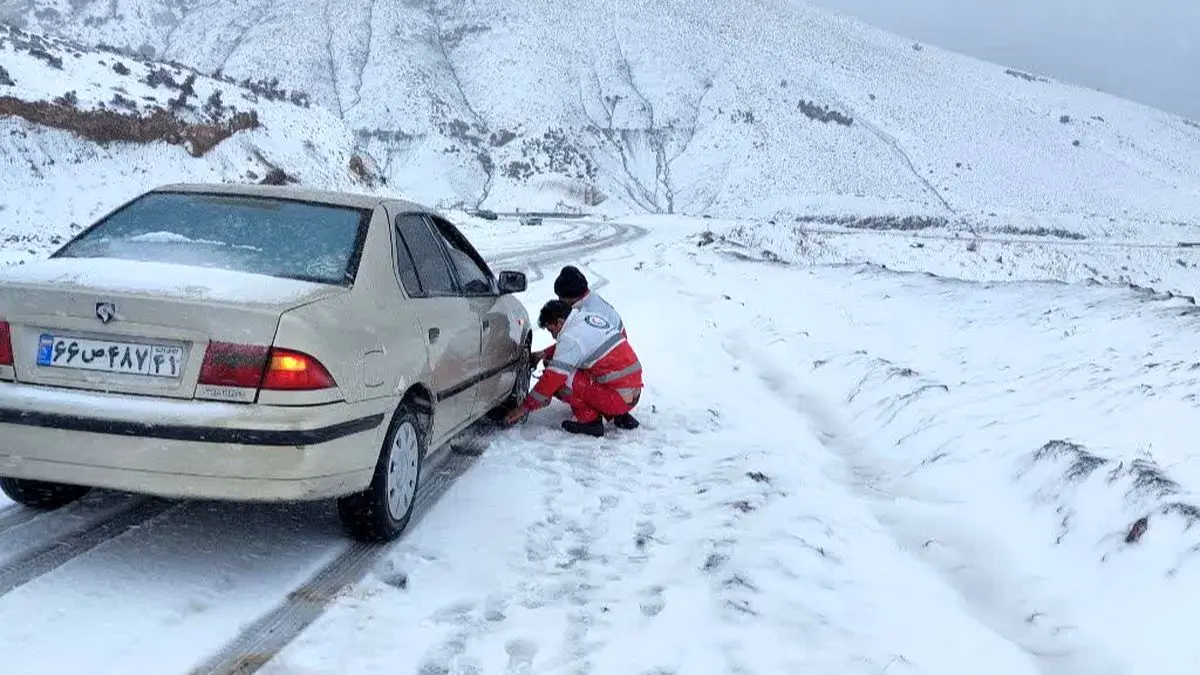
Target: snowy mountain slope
<point>676,106</point>
<point>84,130</point>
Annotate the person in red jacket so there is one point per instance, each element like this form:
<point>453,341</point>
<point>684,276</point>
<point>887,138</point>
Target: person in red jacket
<point>594,370</point>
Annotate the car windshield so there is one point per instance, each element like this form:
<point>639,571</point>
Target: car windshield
<point>276,237</point>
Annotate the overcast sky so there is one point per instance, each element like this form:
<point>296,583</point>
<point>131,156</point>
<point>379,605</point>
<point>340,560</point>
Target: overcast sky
<point>1144,50</point>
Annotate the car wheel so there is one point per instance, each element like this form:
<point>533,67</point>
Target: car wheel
<point>520,388</point>
<point>382,511</point>
<point>41,494</point>
<point>524,375</point>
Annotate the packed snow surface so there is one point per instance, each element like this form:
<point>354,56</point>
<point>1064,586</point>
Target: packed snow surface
<point>841,468</point>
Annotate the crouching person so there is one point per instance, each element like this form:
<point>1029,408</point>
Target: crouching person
<point>594,370</point>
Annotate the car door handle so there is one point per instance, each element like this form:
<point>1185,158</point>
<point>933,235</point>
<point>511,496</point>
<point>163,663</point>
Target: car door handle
<point>487,322</point>
<point>433,334</point>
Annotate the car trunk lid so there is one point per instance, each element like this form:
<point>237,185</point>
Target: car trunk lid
<point>137,327</point>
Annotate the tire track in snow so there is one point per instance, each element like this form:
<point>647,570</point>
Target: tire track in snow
<point>267,636</point>
<point>56,552</point>
<point>16,515</point>
<point>1012,607</point>
<point>573,249</point>
<point>34,542</point>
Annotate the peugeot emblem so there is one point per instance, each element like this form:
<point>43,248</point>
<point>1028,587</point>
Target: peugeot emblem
<point>106,311</point>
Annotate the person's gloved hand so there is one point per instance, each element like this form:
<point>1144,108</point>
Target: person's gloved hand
<point>515,415</point>
<point>536,358</point>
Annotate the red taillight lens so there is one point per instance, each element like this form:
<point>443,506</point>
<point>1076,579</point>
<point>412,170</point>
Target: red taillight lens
<point>295,371</point>
<point>231,365</point>
<point>6,352</point>
<point>255,367</point>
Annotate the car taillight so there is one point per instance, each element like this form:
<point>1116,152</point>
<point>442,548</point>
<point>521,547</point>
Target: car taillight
<point>258,367</point>
<point>6,351</point>
<point>295,371</point>
<point>231,365</point>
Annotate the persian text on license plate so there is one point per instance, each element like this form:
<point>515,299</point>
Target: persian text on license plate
<point>109,356</point>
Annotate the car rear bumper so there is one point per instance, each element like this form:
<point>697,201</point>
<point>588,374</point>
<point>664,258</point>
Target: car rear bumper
<point>192,449</point>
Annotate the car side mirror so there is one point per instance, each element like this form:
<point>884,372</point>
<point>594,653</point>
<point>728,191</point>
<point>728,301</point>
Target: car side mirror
<point>512,282</point>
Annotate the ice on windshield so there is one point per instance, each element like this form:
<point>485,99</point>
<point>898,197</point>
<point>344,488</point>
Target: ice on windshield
<point>291,239</point>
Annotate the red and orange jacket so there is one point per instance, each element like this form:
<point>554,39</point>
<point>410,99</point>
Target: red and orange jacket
<point>588,343</point>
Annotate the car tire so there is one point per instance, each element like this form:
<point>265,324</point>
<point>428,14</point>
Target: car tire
<point>520,387</point>
<point>37,494</point>
<point>382,511</point>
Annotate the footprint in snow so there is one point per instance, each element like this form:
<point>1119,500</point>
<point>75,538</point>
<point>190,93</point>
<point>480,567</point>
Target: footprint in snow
<point>494,610</point>
<point>447,658</point>
<point>652,601</point>
<point>458,613</point>
<point>642,538</point>
<point>520,656</point>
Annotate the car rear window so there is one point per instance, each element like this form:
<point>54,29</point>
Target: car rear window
<point>275,237</point>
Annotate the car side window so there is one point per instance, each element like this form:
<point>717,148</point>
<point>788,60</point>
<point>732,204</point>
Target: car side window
<point>430,269</point>
<point>474,279</point>
<point>406,268</point>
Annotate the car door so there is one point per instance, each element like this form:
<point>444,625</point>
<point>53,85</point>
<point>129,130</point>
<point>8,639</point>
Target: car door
<point>500,339</point>
<point>449,321</point>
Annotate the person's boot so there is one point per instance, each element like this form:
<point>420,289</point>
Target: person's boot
<point>594,428</point>
<point>626,421</point>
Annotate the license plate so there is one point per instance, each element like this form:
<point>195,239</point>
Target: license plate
<point>110,356</point>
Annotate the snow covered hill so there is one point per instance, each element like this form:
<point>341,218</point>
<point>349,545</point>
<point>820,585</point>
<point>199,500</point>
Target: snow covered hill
<point>769,109</point>
<point>82,130</point>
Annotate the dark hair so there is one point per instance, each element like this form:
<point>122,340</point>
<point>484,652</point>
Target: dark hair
<point>553,311</point>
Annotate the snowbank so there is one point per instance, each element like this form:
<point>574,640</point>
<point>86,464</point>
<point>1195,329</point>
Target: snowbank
<point>1030,441</point>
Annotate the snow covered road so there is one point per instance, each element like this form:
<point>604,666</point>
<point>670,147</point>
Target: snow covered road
<point>840,470</point>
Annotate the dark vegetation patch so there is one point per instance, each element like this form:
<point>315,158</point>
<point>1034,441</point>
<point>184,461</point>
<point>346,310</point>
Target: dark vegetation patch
<point>1024,76</point>
<point>107,126</point>
<point>902,223</point>
<point>1080,462</point>
<point>1040,231</point>
<point>823,114</point>
<point>1145,477</point>
<point>168,73</point>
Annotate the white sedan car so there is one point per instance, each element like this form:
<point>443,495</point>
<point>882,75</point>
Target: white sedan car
<point>254,343</point>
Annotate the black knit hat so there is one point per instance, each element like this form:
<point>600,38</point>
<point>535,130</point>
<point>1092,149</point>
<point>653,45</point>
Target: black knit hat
<point>570,283</point>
